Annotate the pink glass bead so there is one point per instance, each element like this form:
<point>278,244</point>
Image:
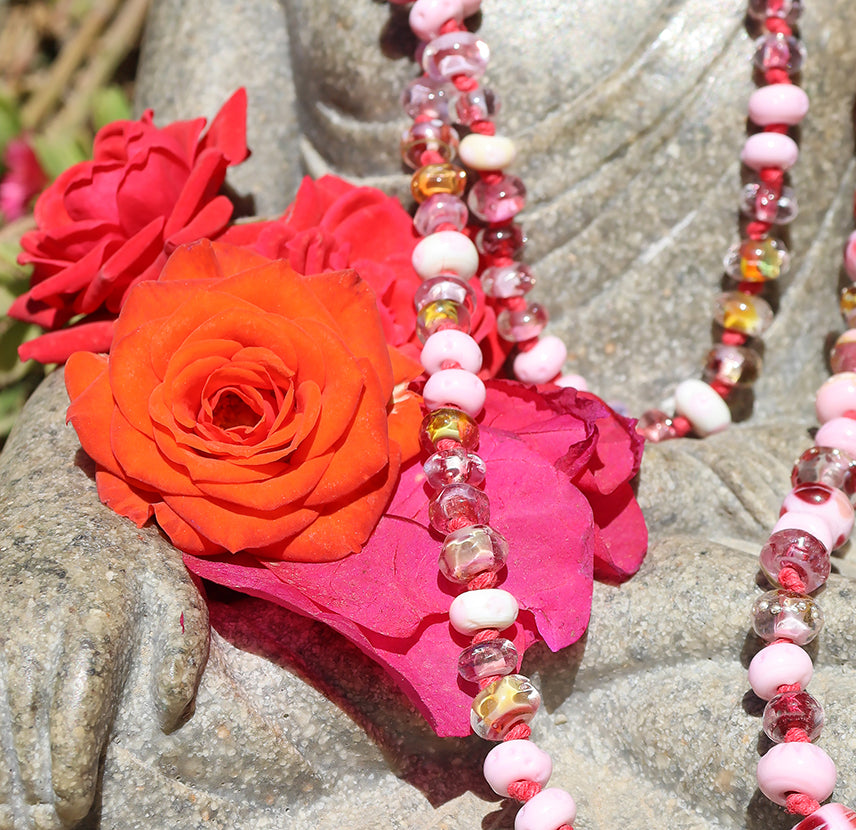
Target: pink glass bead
<point>428,16</point>
<point>451,345</point>
<point>778,104</point>
<point>542,362</point>
<point>456,53</point>
<point>490,658</point>
<point>787,10</point>
<point>451,425</point>
<point>501,241</point>
<point>769,150</point>
<point>444,287</point>
<point>445,252</point>
<point>472,6</point>
<point>807,523</point>
<point>429,98</point>
<point>470,551</point>
<point>453,466</point>
<point>486,608</point>
<point>779,664</point>
<point>572,381</point>
<point>549,810</point>
<point>836,397</point>
<point>800,551</point>
<point>830,466</point>
<point>792,710</point>
<point>497,201</point>
<point>779,51</point>
<point>850,256</point>
<point>424,136</point>
<point>732,365</point>
<point>505,702</point>
<point>456,506</point>
<point>796,768</point>
<point>839,433</point>
<point>656,426</point>
<point>440,209</point>
<point>479,104</point>
<point>521,324</point>
<point>504,281</point>
<point>513,761</point>
<point>830,504</point>
<point>457,388</point>
<point>830,816</point>
<point>782,614</point>
<point>843,355</point>
<point>759,201</point>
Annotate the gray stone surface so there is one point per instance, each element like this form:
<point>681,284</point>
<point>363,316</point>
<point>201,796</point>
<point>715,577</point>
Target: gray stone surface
<point>630,119</point>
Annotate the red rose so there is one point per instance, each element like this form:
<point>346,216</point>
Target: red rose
<point>332,225</point>
<point>22,181</point>
<point>105,225</point>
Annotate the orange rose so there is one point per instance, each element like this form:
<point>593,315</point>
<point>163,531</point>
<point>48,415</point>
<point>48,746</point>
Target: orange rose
<point>246,407</point>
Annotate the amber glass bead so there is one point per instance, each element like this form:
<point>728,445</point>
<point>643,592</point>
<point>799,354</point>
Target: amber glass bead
<point>448,424</point>
<point>432,179</point>
<point>847,303</point>
<point>505,702</point>
<point>441,314</point>
<point>743,313</point>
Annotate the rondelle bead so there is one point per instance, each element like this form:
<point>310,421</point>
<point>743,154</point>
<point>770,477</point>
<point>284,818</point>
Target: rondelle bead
<point>423,136</point>
<point>770,150</point>
<point>497,201</point>
<point>486,152</point>
<point>732,365</point>
<point>428,16</point>
<point>842,358</point>
<point>504,281</point>
<point>450,345</point>
<point>832,816</point>
<point>792,710</point>
<point>796,768</point>
<point>850,256</point>
<point>470,551</point>
<point>444,287</point>
<point>799,520</point>
<point>478,104</point>
<point>655,426</point>
<point>542,362</point>
<point>457,506</point>
<point>782,614</point>
<point>457,388</point>
<point>440,209</point>
<point>429,99</point>
<point>441,314</point>
<point>800,551</point>
<point>444,252</point>
<point>505,702</point>
<point>778,104</point>
<point>787,10</point>
<point>549,810</point>
<point>760,201</point>
<point>827,465</point>
<point>779,664</point>
<point>830,504</point>
<point>847,304</point>
<point>519,324</point>
<point>743,313</point>
<point>432,179</point>
<point>489,658</point>
<point>702,406</point>
<point>839,433</point>
<point>453,465</point>
<point>486,608</point>
<point>513,761</point>
<point>836,397</point>
<point>505,241</point>
<point>757,260</point>
<point>455,53</point>
<point>448,425</point>
<point>779,51</point>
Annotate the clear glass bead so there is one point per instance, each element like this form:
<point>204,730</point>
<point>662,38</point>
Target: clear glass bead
<point>792,710</point>
<point>457,506</point>
<point>441,314</point>
<point>505,702</point>
<point>732,365</point>
<point>454,466</point>
<point>501,241</point>
<point>827,465</point>
<point>757,260</point>
<point>432,179</point>
<point>843,355</point>
<point>448,424</point>
<point>782,614</point>
<point>787,10</point>
<point>444,287</point>
<point>801,551</point>
<point>423,136</point>
<point>521,324</point>
<point>504,281</point>
<point>740,312</point>
<point>656,426</point>
<point>779,51</point>
<point>429,98</point>
<point>455,53</point>
<point>479,104</point>
<point>497,200</point>
<point>759,201</point>
<point>440,209</point>
<point>491,658</point>
<point>469,551</point>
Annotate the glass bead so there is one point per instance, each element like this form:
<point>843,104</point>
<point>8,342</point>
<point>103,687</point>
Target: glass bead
<point>757,260</point>
<point>759,201</point>
<point>442,314</point>
<point>438,210</point>
<point>782,614</point>
<point>736,311</point>
<point>424,136</point>
<point>469,551</point>
<point>827,465</point>
<point>828,503</point>
<point>843,355</point>
<point>454,466</point>
<point>455,53</point>
<point>432,179</point>
<point>801,551</point>
<point>779,51</point>
<point>479,104</point>
<point>655,426</point>
<point>505,702</point>
<point>457,506</point>
<point>847,304</point>
<point>732,365</point>
<point>448,424</point>
<point>792,710</point>
<point>491,658</point>
<point>504,281</point>
<point>787,10</point>
<point>501,241</point>
<point>521,324</point>
<point>497,200</point>
<point>442,288</point>
<point>831,816</point>
<point>429,98</point>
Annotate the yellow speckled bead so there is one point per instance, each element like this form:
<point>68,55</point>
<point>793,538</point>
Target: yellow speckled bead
<point>505,702</point>
<point>762,260</point>
<point>441,314</point>
<point>438,178</point>
<point>451,424</point>
<point>743,313</point>
<point>848,303</point>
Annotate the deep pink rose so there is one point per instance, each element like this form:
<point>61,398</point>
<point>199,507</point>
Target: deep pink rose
<point>556,459</point>
<point>333,225</point>
<point>107,224</point>
<point>22,181</point>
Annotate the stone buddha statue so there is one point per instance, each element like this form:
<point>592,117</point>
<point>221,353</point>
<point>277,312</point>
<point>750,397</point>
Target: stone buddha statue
<point>133,697</point>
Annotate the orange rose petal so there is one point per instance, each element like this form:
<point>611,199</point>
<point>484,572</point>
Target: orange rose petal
<point>182,535</point>
<point>404,422</point>
<point>117,494</point>
<point>184,392</point>
<point>404,368</point>
<point>195,261</point>
<point>233,259</point>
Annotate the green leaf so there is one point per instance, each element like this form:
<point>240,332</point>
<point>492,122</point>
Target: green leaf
<point>110,104</point>
<point>10,120</point>
<point>58,153</point>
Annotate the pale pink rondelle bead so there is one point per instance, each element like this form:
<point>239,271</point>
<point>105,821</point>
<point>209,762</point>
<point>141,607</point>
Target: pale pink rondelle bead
<point>778,104</point>
<point>832,816</point>
<point>839,433</point>
<point>572,381</point>
<point>836,397</point>
<point>513,761</point>
<point>445,252</point>
<point>457,388</point>
<point>542,362</point>
<point>796,767</point>
<point>428,16</point>
<point>850,257</point>
<point>827,503</point>
<point>769,150</point>
<point>451,344</point>
<point>548,810</point>
<point>779,664</point>
<point>808,522</point>
<point>486,608</point>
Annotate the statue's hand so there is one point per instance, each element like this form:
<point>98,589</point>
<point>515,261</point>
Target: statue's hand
<point>86,601</point>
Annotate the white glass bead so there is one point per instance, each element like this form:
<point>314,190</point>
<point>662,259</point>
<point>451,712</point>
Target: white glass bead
<point>457,388</point>
<point>486,152</point>
<point>513,761</point>
<point>550,809</point>
<point>702,406</point>
<point>444,252</point>
<point>542,362</point>
<point>487,608</point>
